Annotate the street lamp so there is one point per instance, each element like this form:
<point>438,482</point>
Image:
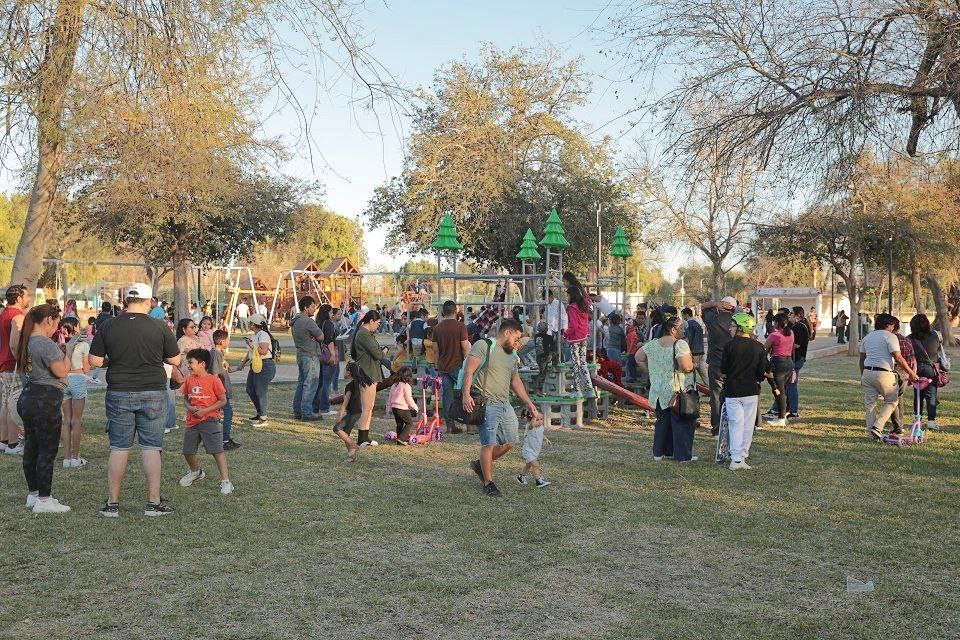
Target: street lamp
<point>890,275</point>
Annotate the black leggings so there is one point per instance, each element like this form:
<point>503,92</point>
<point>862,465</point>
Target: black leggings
<point>782,370</point>
<point>405,424</point>
<point>39,406</point>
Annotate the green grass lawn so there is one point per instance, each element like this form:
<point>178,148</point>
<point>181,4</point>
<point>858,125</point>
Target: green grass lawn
<point>403,544</point>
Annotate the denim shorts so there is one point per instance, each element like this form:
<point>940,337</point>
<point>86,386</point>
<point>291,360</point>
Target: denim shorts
<point>76,387</point>
<point>140,413</point>
<point>500,424</point>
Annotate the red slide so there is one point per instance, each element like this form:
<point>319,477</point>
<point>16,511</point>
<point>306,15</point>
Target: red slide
<point>625,394</point>
<point>631,397</point>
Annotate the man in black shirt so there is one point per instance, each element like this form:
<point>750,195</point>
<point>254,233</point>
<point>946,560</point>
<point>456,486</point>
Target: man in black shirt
<point>718,317</point>
<point>135,348</point>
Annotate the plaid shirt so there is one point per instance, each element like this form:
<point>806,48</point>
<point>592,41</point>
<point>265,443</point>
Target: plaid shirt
<point>906,350</point>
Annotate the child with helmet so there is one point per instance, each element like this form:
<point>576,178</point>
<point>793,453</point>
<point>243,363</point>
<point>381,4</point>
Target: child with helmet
<point>744,364</point>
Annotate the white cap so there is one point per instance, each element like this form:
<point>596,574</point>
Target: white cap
<point>257,319</point>
<point>730,300</point>
<point>139,290</point>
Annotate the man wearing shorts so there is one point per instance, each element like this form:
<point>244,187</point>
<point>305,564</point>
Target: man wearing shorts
<point>11,322</point>
<point>491,367</point>
<point>135,347</point>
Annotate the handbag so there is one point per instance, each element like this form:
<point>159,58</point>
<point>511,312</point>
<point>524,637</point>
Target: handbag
<point>686,402</point>
<point>256,359</point>
<point>941,376</point>
<point>479,413</point>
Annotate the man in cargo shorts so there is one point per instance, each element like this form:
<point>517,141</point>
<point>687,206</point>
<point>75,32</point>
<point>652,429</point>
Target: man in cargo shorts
<point>135,347</point>
<point>491,366</point>
<point>11,322</point>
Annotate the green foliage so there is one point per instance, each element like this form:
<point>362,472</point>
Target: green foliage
<point>13,210</point>
<point>421,265</point>
<point>496,146</point>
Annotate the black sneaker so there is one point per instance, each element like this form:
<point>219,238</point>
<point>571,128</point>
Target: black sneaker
<point>475,465</point>
<point>491,490</point>
<point>793,416</point>
<point>230,444</point>
<point>161,508</point>
<point>110,509</point>
<point>876,433</point>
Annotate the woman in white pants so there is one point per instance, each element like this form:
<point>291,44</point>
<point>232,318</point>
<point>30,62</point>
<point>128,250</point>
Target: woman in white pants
<point>744,365</point>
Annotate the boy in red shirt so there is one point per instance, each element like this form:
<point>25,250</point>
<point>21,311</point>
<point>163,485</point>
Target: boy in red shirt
<point>204,395</point>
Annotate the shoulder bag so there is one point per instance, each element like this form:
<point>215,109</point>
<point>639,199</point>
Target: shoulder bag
<point>941,377</point>
<point>478,415</point>
<point>686,402</point>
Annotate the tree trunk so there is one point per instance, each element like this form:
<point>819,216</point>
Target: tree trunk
<point>853,343</point>
<point>942,322</point>
<point>717,281</point>
<point>181,289</point>
<point>916,285</point>
<point>55,73</point>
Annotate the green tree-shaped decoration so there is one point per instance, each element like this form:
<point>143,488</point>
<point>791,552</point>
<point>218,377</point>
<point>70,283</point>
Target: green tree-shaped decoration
<point>447,236</point>
<point>621,246</point>
<point>528,250</point>
<point>553,235</point>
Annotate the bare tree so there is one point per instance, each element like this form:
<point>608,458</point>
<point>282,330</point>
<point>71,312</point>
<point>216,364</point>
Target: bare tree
<point>803,80</point>
<point>710,206</point>
<point>56,56</point>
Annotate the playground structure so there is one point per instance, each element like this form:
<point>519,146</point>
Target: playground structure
<point>333,285</point>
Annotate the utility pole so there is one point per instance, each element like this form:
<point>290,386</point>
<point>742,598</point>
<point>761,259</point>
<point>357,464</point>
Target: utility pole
<point>890,275</point>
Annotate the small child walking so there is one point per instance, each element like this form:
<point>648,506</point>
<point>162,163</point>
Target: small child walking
<point>204,395</point>
<point>430,352</point>
<point>75,395</point>
<point>220,367</point>
<point>402,405</point>
<point>349,415</point>
<point>532,444</point>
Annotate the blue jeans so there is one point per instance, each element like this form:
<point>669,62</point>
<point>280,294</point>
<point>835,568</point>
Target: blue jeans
<point>613,354</point>
<point>632,374</point>
<point>136,413</point>
<point>931,395</point>
<point>793,393</point>
<point>673,435</point>
<point>446,396</point>
<point>227,419</point>
<point>328,377</point>
<point>257,384</point>
<point>308,380</point>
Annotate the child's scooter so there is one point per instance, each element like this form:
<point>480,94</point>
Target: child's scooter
<point>429,428</point>
<point>916,431</point>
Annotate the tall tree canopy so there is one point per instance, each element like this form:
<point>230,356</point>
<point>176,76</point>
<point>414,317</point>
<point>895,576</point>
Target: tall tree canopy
<point>802,80</point>
<point>60,59</point>
<point>494,143</point>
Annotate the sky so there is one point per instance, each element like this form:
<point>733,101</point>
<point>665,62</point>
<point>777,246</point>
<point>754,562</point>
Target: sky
<point>413,39</point>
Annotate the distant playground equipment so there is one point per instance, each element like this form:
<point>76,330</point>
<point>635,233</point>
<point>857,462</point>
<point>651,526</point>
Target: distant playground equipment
<point>338,284</point>
<point>916,435</point>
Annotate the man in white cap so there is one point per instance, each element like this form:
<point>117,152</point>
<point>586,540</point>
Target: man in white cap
<point>718,318</point>
<point>134,347</point>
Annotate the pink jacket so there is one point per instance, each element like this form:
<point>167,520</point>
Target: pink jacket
<point>401,397</point>
<point>578,324</point>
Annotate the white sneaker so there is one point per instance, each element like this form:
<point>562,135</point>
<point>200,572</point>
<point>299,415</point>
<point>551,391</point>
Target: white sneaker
<point>328,412</point>
<point>191,477</point>
<point>369,443</point>
<point>14,451</point>
<point>739,464</point>
<point>79,462</point>
<point>67,463</point>
<point>50,505</point>
<point>522,479</point>
<point>932,425</point>
<point>226,487</point>
<point>31,500</point>
<point>658,458</point>
<point>776,422</point>
<point>167,430</point>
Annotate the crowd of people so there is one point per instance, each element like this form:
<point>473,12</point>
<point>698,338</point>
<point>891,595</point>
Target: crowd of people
<point>47,358</point>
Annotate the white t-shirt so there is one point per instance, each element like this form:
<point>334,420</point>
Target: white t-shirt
<point>243,310</point>
<point>880,347</point>
<point>80,350</point>
<point>261,337</point>
<point>262,309</point>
